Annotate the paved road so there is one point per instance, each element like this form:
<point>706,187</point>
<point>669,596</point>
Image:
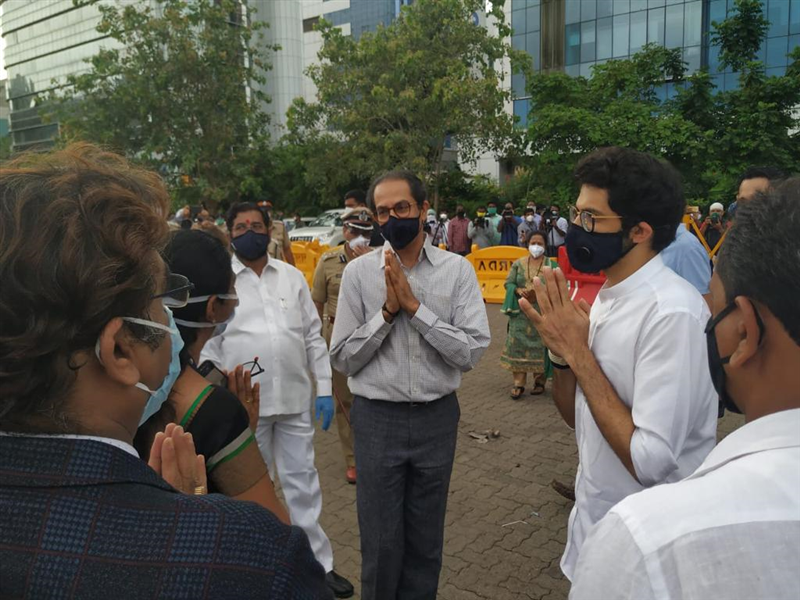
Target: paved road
<point>506,528</point>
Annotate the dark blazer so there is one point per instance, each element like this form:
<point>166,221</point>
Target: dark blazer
<point>83,519</point>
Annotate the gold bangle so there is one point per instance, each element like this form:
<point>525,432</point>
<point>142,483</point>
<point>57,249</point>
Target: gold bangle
<point>200,490</point>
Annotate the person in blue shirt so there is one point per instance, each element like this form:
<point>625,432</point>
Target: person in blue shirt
<point>687,257</point>
<point>508,225</point>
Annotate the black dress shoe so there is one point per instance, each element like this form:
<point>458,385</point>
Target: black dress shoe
<point>340,587</point>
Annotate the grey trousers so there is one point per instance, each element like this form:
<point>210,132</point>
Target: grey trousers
<point>404,454</point>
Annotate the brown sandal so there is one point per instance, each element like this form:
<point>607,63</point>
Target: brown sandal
<point>517,392</point>
<point>537,390</point>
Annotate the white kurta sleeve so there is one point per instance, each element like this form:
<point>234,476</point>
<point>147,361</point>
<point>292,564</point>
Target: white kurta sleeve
<point>316,348</point>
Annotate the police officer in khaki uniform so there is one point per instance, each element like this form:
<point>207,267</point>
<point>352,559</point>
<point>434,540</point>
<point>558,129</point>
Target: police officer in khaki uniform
<point>280,246</point>
<point>357,230</point>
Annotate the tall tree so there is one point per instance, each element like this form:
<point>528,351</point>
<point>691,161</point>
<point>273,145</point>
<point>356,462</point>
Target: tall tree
<point>175,92</point>
<point>403,95</point>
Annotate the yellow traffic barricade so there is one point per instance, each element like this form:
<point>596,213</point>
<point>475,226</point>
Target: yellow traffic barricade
<point>492,266</point>
<point>306,257</point>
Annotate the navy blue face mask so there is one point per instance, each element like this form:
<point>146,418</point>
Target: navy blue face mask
<point>594,252</point>
<point>400,232</point>
<point>251,245</point>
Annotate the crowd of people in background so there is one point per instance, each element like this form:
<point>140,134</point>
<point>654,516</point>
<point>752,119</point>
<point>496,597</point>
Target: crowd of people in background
<point>148,359</point>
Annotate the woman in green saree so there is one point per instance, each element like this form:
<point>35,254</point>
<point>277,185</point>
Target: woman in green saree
<point>524,352</point>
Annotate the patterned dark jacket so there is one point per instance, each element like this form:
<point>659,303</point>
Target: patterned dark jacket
<point>83,519</point>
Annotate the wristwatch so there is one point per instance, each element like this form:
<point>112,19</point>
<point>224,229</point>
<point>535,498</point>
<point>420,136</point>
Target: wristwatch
<point>388,312</point>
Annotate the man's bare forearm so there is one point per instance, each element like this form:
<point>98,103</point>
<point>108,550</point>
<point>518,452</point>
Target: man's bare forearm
<point>564,384</point>
<point>612,416</point>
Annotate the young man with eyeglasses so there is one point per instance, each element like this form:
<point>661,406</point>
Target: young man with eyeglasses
<point>276,321</point>
<point>632,377</point>
<point>357,230</point>
<point>409,322</point>
<point>731,529</point>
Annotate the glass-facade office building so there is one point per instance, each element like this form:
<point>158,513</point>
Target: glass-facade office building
<point>366,15</point>
<point>575,35</point>
<point>45,41</point>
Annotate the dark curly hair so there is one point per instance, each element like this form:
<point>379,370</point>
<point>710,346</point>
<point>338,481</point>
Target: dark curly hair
<point>641,188</point>
<point>80,234</point>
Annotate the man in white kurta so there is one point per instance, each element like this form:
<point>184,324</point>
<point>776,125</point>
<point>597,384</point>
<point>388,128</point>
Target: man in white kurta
<point>631,375</point>
<point>732,528</point>
<point>276,321</point>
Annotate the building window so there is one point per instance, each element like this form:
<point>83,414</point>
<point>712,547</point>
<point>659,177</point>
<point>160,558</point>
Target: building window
<point>693,24</point>
<point>572,11</point>
<point>588,10</point>
<point>604,29</point>
<point>521,108</point>
<point>655,26</point>
<point>532,41</point>
<point>533,18</point>
<point>518,22</point>
<point>309,24</point>
<point>621,36</point>
<point>605,8</point>
<point>572,52</point>
<point>638,31</point>
<point>587,41</point>
<point>692,58</point>
<point>778,16</point>
<point>794,17</point>
<point>777,49</point>
<point>674,26</point>
<point>716,12</point>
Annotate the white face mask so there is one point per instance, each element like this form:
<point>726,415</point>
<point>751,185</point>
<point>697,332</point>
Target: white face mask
<point>443,216</point>
<point>529,218</point>
<point>358,242</point>
<point>536,250</point>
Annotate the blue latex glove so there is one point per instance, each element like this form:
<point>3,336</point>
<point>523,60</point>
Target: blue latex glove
<point>324,406</point>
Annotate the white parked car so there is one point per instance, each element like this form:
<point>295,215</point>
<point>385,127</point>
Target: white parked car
<point>326,229</point>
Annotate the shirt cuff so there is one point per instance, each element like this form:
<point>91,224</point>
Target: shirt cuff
<point>324,388</point>
<point>424,319</point>
<point>378,327</point>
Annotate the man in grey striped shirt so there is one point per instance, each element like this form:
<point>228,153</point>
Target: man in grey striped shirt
<point>410,320</point>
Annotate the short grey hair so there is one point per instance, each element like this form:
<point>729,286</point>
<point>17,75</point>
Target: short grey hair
<point>760,258</point>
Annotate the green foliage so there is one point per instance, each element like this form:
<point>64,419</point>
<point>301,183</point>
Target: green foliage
<point>709,135</point>
<point>5,147</point>
<point>397,97</point>
<point>739,37</point>
<point>173,93</point>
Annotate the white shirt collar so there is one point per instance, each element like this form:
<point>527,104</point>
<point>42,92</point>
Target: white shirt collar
<point>71,436</point>
<point>428,251</point>
<point>238,266</point>
<point>633,281</point>
<point>772,432</point>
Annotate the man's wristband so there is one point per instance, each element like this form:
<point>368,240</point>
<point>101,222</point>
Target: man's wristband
<point>388,312</point>
<point>557,361</point>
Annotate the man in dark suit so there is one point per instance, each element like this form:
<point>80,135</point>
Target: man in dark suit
<point>87,352</point>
